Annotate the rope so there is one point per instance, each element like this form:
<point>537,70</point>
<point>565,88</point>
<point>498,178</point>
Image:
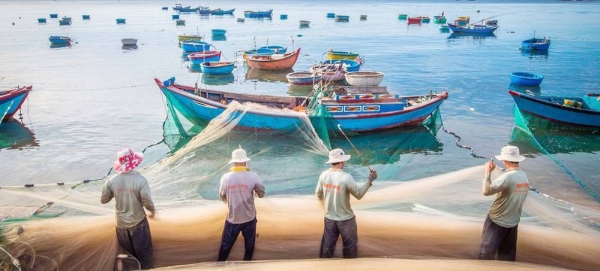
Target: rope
<point>458,138</point>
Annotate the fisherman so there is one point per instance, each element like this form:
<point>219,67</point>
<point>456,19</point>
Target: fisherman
<point>334,188</point>
<point>132,193</point>
<point>501,225</point>
<point>237,189</point>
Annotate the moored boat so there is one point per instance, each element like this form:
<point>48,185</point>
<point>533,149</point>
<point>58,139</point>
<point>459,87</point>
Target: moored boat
<point>347,64</point>
<point>11,101</point>
<point>402,16</point>
<point>121,20</point>
<point>414,20</point>
<point>535,44</point>
<point>342,18</point>
<point>129,41</point>
<point>60,39</point>
<point>304,23</point>
<point>353,109</point>
<point>42,20</point>
<point>195,46</point>
<point>204,56</point>
<point>214,67</point>
<point>339,55</point>
<point>258,14</point>
<point>473,28</point>
<point>274,61</point>
<point>365,78</point>
<point>526,78</point>
<point>216,31</point>
<point>188,37</point>
<point>220,11</point>
<point>578,111</point>
<point>303,78</point>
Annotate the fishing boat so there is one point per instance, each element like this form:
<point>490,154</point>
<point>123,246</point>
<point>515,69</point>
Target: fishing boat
<point>204,11</point>
<point>180,22</point>
<point>195,46</point>
<point>535,44</point>
<point>347,64</point>
<point>179,6</point>
<point>366,78</point>
<point>220,11</point>
<point>402,16</point>
<point>329,72</point>
<point>53,15</point>
<point>303,78</point>
<point>283,16</point>
<point>342,18</point>
<point>65,21</point>
<point>414,20</point>
<point>217,31</point>
<point>274,61</point>
<point>526,78</point>
<point>330,15</point>
<point>121,21</point>
<point>188,37</point>
<point>273,49</point>
<point>578,111</point>
<point>204,56</point>
<point>304,23</point>
<point>339,55</point>
<point>425,19</point>
<point>129,42</point>
<point>258,14</point>
<point>363,17</point>
<point>59,40</point>
<point>11,101</point>
<point>85,17</point>
<point>353,109</point>
<point>174,16</point>
<point>42,20</point>
<point>473,28</point>
<point>439,19</point>
<point>213,67</point>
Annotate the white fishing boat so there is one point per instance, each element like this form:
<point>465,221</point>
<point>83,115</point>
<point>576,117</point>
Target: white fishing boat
<point>129,41</point>
<point>367,78</point>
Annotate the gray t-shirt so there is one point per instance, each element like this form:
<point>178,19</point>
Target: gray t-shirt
<point>238,188</point>
<point>335,187</point>
<point>131,192</point>
<point>511,188</point>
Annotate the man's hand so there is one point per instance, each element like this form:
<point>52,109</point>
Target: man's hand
<point>151,215</point>
<point>489,166</point>
<point>372,175</point>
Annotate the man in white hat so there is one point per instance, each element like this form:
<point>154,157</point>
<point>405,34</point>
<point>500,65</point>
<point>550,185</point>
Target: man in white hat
<point>237,189</point>
<point>132,193</point>
<point>335,187</point>
<point>501,225</point>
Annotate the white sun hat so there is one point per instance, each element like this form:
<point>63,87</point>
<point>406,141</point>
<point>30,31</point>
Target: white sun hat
<point>239,156</point>
<point>336,156</point>
<point>511,154</point>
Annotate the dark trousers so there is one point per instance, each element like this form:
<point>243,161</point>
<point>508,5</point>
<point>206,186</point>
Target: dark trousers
<point>230,234</point>
<point>333,229</point>
<point>496,238</point>
<point>137,242</point>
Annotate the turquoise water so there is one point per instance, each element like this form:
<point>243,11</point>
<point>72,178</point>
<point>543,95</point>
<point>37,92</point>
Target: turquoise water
<point>94,97</point>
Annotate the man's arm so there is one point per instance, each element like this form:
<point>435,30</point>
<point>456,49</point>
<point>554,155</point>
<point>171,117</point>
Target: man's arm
<point>147,198</point>
<point>107,193</point>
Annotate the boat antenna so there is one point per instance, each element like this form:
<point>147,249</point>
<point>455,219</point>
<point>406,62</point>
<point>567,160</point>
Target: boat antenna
<point>255,48</point>
<point>293,47</point>
<point>359,155</point>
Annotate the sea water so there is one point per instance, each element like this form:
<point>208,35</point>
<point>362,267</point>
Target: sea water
<point>94,97</point>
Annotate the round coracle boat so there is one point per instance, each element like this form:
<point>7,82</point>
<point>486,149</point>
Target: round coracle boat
<point>366,78</point>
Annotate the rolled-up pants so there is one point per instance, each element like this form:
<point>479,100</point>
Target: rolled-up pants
<point>333,229</point>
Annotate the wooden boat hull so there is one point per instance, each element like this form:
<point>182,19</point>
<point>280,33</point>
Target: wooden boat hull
<point>218,31</point>
<point>258,14</point>
<point>129,42</point>
<point>553,108</point>
<point>371,78</point>
<point>353,112</point>
<point>340,55</point>
<point>414,20</point>
<point>273,62</point>
<point>473,29</point>
<point>59,40</point>
<point>535,44</point>
<point>11,101</point>
<point>303,78</point>
<point>216,68</point>
<point>222,12</point>
<point>526,78</point>
<point>184,37</point>
<point>195,46</point>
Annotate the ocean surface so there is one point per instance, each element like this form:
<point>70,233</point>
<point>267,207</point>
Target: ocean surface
<point>94,97</point>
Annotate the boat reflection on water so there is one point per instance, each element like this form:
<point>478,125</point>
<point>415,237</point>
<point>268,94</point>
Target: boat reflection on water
<point>267,76</point>
<point>60,45</point>
<point>217,79</point>
<point>194,68</point>
<point>15,135</point>
<point>218,38</point>
<point>471,36</point>
<point>535,54</point>
<point>299,90</point>
<point>129,47</point>
<point>532,90</point>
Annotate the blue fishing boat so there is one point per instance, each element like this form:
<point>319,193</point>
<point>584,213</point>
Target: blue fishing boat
<point>53,15</point>
<point>213,67</point>
<point>204,56</point>
<point>473,28</point>
<point>342,18</point>
<point>283,16</point>
<point>258,14</point>
<point>175,16</point>
<point>85,17</point>
<point>204,11</point>
<point>120,20</point>
<point>42,20</point>
<point>218,31</point>
<point>220,11</point>
<point>353,109</point>
<point>65,21</point>
<point>330,15</point>
<point>59,39</point>
<point>535,44</point>
<point>195,46</point>
<point>578,111</point>
<point>526,78</point>
<point>303,78</point>
<point>11,101</point>
<point>347,64</point>
<point>273,49</point>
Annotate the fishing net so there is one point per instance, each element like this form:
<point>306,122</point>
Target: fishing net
<point>64,226</point>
